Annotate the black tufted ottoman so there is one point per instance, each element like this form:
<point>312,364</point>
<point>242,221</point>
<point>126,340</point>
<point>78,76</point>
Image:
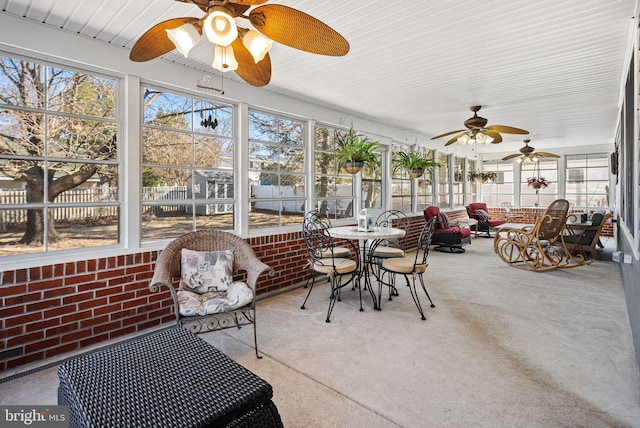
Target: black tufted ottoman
<point>167,379</point>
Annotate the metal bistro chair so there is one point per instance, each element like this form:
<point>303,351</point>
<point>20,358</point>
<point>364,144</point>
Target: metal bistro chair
<point>414,266</point>
<point>324,259</point>
<point>320,219</point>
<point>389,248</point>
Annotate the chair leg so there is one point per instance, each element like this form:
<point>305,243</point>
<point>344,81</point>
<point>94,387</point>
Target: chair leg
<point>313,281</point>
<point>426,292</point>
<point>335,295</point>
<point>414,295</point>
<point>255,336</point>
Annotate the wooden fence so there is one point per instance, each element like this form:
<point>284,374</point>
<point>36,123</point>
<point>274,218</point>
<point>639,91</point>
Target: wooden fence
<point>10,217</point>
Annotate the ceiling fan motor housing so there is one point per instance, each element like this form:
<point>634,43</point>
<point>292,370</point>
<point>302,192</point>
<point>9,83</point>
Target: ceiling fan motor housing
<point>476,122</point>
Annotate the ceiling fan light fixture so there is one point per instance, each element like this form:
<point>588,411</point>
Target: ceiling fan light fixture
<point>184,37</point>
<point>519,160</point>
<point>465,140</point>
<point>483,138</point>
<point>220,27</point>
<point>224,59</point>
<point>257,44</point>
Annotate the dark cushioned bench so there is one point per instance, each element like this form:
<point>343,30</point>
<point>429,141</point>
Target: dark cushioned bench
<point>166,379</point>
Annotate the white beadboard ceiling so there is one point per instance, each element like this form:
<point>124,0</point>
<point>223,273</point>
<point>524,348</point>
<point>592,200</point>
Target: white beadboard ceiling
<point>552,67</point>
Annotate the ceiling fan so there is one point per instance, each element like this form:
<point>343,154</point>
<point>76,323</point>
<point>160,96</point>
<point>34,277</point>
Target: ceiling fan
<point>239,49</point>
<point>527,154</point>
<point>478,132</point>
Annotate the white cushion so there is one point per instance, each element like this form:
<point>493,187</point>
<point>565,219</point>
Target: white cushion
<point>238,294</point>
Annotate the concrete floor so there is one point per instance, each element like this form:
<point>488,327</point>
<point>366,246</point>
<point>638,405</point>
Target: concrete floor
<point>502,348</point>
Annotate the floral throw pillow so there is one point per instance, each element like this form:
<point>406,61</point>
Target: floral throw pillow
<point>206,271</point>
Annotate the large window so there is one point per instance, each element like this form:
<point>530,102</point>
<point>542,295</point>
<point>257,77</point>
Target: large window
<point>443,180</point>
<point>588,180</point>
<point>495,192</point>
<point>458,181</point>
<point>276,170</point>
<point>529,195</point>
<point>472,186</point>
<point>400,183</point>
<point>425,184</point>
<point>187,165</point>
<point>58,158</point>
<point>372,189</point>
<point>333,186</point>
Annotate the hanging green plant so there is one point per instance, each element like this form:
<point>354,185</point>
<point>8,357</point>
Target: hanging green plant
<point>415,163</point>
<point>356,150</point>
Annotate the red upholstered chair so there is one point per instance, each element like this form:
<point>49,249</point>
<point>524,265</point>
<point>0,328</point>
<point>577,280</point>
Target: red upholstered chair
<point>447,236</point>
<point>478,211</point>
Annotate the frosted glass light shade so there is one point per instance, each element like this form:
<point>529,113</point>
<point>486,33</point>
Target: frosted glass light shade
<point>224,59</point>
<point>184,37</point>
<point>483,138</point>
<point>464,140</point>
<point>257,44</point>
<point>219,27</point>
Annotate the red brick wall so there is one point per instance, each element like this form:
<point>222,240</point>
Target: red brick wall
<point>49,310</point>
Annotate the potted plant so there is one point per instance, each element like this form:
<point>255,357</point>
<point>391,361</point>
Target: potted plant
<point>482,176</point>
<point>355,151</point>
<point>415,163</point>
<point>538,182</point>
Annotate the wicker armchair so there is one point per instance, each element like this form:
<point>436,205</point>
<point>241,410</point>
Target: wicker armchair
<point>539,247</point>
<point>168,270</point>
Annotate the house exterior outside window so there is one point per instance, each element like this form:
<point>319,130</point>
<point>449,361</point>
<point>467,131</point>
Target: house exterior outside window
<point>188,170</point>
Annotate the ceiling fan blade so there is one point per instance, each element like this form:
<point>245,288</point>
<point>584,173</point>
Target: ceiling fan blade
<point>448,133</point>
<point>511,156</point>
<point>455,138</point>
<point>254,74</point>
<point>298,30</point>
<point>547,154</point>
<point>155,42</point>
<point>249,2</point>
<point>497,138</point>
<point>507,129</point>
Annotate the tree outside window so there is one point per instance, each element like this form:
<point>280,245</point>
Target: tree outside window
<point>334,195</point>
<point>58,158</point>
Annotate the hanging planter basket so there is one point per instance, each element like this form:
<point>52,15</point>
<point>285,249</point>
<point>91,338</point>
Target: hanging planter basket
<point>416,173</point>
<point>352,167</point>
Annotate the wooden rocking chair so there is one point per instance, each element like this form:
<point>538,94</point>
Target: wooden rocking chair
<point>541,247</point>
